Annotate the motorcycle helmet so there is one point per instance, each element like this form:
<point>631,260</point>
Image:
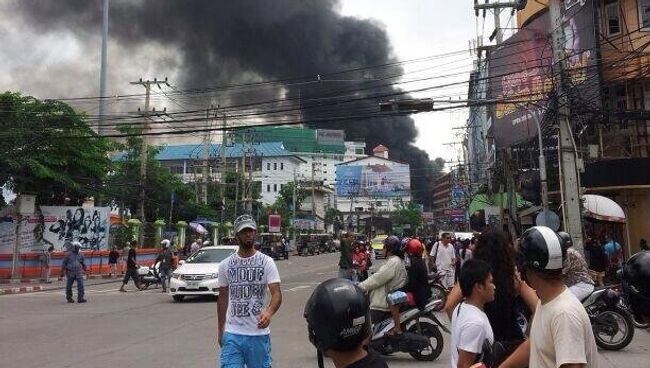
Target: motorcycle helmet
<point>394,245</point>
<point>541,250</point>
<point>206,243</point>
<point>164,243</point>
<point>244,222</point>
<point>338,315</point>
<point>414,248</point>
<point>567,242</point>
<point>636,282</point>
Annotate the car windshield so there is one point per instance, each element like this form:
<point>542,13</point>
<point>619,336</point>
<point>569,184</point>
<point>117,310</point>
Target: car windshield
<point>210,255</point>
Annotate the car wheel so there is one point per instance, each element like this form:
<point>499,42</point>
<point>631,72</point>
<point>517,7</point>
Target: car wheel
<point>178,298</point>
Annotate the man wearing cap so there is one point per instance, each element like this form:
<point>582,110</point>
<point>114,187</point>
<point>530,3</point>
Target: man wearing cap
<point>242,318</point>
<point>73,267</point>
<point>561,333</point>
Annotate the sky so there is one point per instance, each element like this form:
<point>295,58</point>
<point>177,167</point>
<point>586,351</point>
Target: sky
<point>31,60</point>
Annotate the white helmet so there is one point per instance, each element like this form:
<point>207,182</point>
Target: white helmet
<point>244,222</point>
<point>206,243</point>
<point>165,243</point>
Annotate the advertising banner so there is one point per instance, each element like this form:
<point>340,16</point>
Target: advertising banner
<point>373,180</point>
<point>275,223</point>
<point>87,225</point>
<point>30,231</point>
<point>521,75</point>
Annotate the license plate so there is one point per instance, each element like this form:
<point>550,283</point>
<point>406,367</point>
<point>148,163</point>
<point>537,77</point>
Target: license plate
<point>192,285</point>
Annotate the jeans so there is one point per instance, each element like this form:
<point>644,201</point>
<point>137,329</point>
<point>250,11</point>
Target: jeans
<point>165,275</point>
<point>239,351</point>
<point>70,279</point>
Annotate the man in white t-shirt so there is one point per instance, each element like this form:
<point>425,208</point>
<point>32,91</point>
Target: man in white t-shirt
<point>445,255</point>
<point>560,334</point>
<point>470,327</point>
<point>243,319</point>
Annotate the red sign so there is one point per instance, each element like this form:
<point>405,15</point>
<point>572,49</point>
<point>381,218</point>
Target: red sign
<point>275,223</point>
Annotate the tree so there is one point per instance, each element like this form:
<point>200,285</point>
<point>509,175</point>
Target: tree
<point>407,213</point>
<point>49,150</point>
<point>333,217</point>
<point>283,205</point>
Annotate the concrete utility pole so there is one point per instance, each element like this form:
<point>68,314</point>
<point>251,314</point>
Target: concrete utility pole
<point>102,71</point>
<point>222,169</point>
<point>207,139</point>
<point>570,181</point>
<point>313,189</point>
<point>143,153</point>
<point>293,206</point>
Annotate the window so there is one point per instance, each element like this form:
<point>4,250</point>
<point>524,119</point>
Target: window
<point>275,166</point>
<point>268,187</point>
<point>644,15</point>
<point>358,151</point>
<point>282,167</point>
<point>613,19</point>
<point>281,186</point>
<point>268,166</point>
<point>275,187</point>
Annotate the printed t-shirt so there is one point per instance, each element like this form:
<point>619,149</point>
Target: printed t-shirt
<point>247,280</point>
<point>561,334</point>
<point>470,328</point>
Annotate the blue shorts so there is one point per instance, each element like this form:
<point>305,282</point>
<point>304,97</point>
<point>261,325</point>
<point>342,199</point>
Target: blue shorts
<point>239,351</point>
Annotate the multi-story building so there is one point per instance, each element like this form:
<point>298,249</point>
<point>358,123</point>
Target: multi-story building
<point>609,94</point>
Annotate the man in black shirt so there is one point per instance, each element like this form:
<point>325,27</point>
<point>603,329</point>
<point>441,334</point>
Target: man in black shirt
<point>346,269</point>
<point>338,322</point>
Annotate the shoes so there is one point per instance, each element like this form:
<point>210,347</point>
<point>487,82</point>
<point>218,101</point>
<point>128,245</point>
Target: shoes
<point>81,301</point>
<point>164,291</point>
<point>123,290</point>
<point>70,301</point>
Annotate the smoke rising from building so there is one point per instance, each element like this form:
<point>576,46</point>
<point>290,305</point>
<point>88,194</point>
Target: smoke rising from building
<point>222,42</point>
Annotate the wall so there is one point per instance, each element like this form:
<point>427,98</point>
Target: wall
<point>281,175</point>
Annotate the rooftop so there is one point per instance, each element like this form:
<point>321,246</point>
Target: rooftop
<point>195,151</point>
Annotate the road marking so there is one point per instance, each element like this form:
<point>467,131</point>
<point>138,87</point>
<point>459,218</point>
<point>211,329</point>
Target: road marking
<point>300,287</point>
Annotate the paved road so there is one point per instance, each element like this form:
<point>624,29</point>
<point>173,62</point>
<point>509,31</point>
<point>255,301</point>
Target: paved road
<point>146,329</point>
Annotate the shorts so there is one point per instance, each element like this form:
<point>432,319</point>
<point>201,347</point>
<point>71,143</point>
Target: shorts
<point>238,351</point>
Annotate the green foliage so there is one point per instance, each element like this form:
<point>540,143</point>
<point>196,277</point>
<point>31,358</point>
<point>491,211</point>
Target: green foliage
<point>407,213</point>
<point>49,150</point>
<point>283,205</point>
<point>121,235</point>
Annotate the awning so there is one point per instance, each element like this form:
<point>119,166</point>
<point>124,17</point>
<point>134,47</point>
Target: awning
<point>602,208</point>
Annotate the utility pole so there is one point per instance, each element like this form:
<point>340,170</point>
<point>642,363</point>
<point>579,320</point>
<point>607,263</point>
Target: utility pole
<point>313,189</point>
<point>293,206</point>
<point>206,156</point>
<point>568,166</point>
<point>102,71</point>
<point>143,152</point>
<point>222,170</point>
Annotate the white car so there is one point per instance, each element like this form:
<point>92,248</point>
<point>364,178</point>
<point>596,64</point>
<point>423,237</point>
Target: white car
<point>198,274</point>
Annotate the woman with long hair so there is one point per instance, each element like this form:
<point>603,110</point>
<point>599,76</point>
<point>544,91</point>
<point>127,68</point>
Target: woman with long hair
<point>512,297</point>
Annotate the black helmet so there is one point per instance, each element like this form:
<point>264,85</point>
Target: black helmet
<point>540,250</point>
<point>393,244</point>
<point>636,282</point>
<point>567,242</point>
<point>338,315</point>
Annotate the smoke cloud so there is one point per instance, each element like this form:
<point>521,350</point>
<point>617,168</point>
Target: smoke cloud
<point>219,42</point>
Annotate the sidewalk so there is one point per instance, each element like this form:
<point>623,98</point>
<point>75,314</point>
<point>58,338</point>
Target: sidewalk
<point>20,286</point>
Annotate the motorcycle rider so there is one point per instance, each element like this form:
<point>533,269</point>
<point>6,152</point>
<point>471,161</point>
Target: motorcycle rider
<point>339,326</point>
<point>561,333</point>
<point>390,277</point>
<point>575,270</point>
<point>636,284</point>
<point>165,266</point>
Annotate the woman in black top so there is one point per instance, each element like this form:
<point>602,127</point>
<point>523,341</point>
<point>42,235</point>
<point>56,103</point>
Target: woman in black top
<point>597,260</point>
<point>512,295</point>
<point>131,271</point>
<point>417,283</point>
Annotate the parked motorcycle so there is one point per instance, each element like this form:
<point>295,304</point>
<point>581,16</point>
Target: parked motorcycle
<point>612,325</point>
<point>624,303</point>
<point>421,338</point>
<point>149,275</point>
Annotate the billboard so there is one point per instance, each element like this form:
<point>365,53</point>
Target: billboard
<point>30,237</point>
<point>521,75</point>
<point>275,223</point>
<point>87,225</point>
<point>377,180</point>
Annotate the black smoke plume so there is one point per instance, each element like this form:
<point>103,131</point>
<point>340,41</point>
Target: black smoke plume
<point>233,41</point>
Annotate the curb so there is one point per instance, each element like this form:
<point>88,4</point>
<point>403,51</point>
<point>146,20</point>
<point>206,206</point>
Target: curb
<point>20,290</point>
<point>38,281</point>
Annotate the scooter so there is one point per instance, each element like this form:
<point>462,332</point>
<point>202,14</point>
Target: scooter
<point>612,325</point>
<point>421,338</point>
<point>149,275</point>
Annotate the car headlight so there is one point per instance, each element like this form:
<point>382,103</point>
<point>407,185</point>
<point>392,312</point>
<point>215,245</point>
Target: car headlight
<point>176,275</point>
<point>211,275</point>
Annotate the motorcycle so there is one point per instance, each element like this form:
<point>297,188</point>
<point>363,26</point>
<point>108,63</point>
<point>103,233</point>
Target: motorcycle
<point>624,303</point>
<point>612,325</point>
<point>421,338</point>
<point>149,275</point>
<point>438,291</point>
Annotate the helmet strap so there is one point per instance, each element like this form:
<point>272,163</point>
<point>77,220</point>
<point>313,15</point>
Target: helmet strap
<point>319,356</point>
